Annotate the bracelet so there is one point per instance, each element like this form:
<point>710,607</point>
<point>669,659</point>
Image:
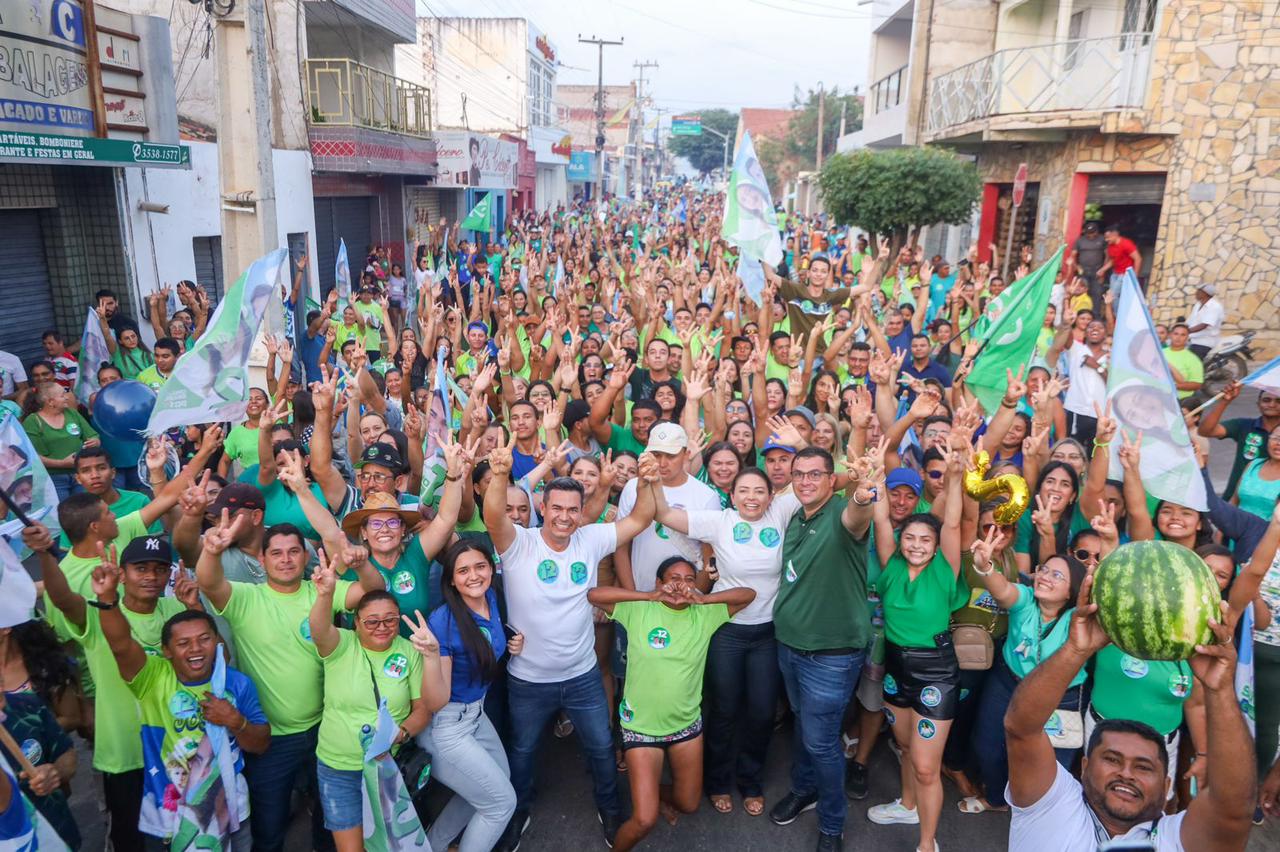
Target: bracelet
<point>857,502</point>
<point>1097,443</point>
<point>1004,403</point>
<point>981,573</point>
<point>244,723</point>
<point>449,478</point>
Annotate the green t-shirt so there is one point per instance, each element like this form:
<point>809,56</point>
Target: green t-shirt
<point>126,504</point>
<point>1026,531</point>
<point>822,597</point>
<point>342,333</point>
<point>1031,641</point>
<point>408,579</point>
<point>622,439</point>
<point>282,504</point>
<point>241,445</point>
<point>1151,691</point>
<point>373,323</point>
<point>59,443</point>
<point>1188,365</point>
<point>131,362</point>
<point>274,648</point>
<point>118,728</point>
<point>917,610</point>
<point>151,378</point>
<point>79,570</point>
<point>350,708</point>
<point>666,656</point>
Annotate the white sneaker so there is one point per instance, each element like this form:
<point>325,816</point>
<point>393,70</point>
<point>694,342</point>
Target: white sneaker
<point>893,814</point>
<point>936,847</point>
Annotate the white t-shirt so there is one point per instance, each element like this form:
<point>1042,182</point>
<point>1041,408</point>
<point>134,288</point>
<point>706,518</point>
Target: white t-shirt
<point>547,601</point>
<point>1087,385</point>
<point>422,279</point>
<point>11,372</point>
<point>748,553</point>
<point>657,542</point>
<point>1062,822</point>
<point>1210,313</point>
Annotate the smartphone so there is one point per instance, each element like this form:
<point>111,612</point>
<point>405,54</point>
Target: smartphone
<point>511,631</point>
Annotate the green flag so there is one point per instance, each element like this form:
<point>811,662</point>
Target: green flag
<point>481,216</point>
<point>1008,329</point>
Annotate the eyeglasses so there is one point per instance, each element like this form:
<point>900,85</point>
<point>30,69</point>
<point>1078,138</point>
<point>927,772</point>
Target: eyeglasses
<point>376,524</point>
<point>375,477</point>
<point>809,475</point>
<point>935,474</point>
<point>1087,555</point>
<point>1053,574</point>
<point>374,623</point>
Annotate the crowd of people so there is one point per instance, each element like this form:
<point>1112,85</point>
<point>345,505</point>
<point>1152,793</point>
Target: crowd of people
<point>576,480</point>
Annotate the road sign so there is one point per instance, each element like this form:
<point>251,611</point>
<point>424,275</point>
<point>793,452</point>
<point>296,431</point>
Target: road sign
<point>686,125</point>
<point>1020,185</point>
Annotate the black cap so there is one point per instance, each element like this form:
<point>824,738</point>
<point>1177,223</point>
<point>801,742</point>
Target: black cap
<point>575,412</point>
<point>147,548</point>
<point>236,496</point>
<point>384,456</point>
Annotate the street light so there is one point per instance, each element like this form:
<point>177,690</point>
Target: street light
<point>725,138</point>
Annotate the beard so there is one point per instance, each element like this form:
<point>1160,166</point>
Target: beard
<point>1127,813</point>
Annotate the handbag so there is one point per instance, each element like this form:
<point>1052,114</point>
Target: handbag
<point>1065,728</point>
<point>975,649</point>
<point>413,761</point>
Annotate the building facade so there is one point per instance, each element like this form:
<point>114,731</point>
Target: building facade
<point>576,111</point>
<point>1154,115</point>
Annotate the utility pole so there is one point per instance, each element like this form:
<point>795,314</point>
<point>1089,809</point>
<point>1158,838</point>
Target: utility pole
<point>822,104</point>
<point>245,136</point>
<point>639,190</point>
<point>600,44</point>
<point>843,105</point>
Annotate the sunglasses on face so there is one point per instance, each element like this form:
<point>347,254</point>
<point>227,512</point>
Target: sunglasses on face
<point>1087,555</point>
<point>935,474</point>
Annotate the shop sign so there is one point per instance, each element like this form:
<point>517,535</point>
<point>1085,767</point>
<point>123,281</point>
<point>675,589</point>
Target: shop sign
<point>44,74</point>
<point>18,147</point>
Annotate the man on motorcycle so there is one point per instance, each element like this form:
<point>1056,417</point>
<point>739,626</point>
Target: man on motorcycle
<point>1205,321</point>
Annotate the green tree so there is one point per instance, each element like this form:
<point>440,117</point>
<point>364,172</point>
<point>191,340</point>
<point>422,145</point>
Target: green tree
<point>892,194</point>
<point>802,135</point>
<point>706,152</point>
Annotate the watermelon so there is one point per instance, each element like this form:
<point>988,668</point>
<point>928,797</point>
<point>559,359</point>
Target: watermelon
<point>1155,599</point>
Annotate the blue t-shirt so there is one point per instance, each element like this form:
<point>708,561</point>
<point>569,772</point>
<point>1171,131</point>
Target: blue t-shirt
<point>521,464</point>
<point>466,686</point>
<point>309,349</point>
<point>901,342</point>
<point>932,370</point>
<point>939,287</point>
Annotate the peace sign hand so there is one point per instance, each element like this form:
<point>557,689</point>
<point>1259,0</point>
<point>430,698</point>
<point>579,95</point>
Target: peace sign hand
<point>324,576</point>
<point>983,549</point>
<point>420,635</point>
<point>501,459</point>
<point>106,575</point>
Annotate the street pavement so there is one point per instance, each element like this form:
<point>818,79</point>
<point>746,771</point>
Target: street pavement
<point>564,816</point>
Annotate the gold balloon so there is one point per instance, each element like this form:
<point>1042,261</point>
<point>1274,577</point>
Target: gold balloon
<point>981,489</point>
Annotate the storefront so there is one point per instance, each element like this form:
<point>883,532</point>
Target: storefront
<point>474,165</point>
<point>580,173</point>
<point>552,148</point>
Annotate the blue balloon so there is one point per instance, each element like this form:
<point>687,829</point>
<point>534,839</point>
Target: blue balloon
<point>123,408</point>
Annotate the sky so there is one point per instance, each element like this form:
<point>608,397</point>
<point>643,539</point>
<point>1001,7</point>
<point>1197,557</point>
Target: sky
<point>711,53</point>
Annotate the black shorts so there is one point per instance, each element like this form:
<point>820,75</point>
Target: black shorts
<point>635,739</point>
<point>926,680</point>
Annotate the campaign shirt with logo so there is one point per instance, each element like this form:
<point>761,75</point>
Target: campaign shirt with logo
<point>37,733</point>
<point>748,553</point>
<point>666,656</point>
<point>466,686</point>
<point>657,542</point>
<point>546,593</point>
<point>408,580</point>
<point>1153,691</point>
<point>1031,639</point>
<point>175,750</point>
<point>274,647</point>
<point>350,701</point>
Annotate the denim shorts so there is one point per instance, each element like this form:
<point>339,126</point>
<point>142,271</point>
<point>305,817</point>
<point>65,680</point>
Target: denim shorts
<point>340,796</point>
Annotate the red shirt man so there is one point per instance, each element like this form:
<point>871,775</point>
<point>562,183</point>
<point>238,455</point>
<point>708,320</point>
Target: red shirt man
<point>1122,254</point>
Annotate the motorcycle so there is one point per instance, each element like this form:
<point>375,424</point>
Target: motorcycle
<point>1228,362</point>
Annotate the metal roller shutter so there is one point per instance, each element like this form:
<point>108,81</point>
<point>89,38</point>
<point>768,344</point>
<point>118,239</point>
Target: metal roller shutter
<point>1126,189</point>
<point>208,255</point>
<point>348,219</point>
<point>26,296</point>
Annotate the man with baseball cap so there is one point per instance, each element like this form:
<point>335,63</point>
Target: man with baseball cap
<point>637,566</point>
<point>904,486</point>
<point>777,463</point>
<point>1205,321</point>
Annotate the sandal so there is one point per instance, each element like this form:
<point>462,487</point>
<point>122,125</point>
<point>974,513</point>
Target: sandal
<point>977,805</point>
<point>723,803</point>
<point>753,805</point>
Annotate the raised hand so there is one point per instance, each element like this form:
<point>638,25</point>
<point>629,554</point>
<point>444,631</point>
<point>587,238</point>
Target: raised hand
<point>647,468</point>
<point>551,419</point>
<point>324,577</point>
<point>1104,524</point>
<point>621,374</point>
<point>1016,389</point>
<point>107,575</point>
<point>37,537</point>
<point>185,588</point>
<point>784,431</point>
<point>420,635</point>
<point>195,498</point>
<point>218,538</point>
<point>1131,453</point>
<point>1215,665</point>
<point>1107,425</point>
<point>1042,518</point>
<point>983,549</point>
<point>158,453</point>
<point>293,473</point>
<point>501,459</point>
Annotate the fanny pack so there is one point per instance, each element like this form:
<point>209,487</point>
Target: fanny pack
<point>975,649</point>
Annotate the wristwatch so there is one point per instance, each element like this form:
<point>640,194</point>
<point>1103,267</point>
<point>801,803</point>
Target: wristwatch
<point>97,604</point>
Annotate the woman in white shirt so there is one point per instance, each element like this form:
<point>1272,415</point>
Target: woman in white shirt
<point>742,671</point>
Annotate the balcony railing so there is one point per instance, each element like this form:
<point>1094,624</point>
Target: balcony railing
<point>1082,74</point>
<point>345,92</point>
<point>886,93</point>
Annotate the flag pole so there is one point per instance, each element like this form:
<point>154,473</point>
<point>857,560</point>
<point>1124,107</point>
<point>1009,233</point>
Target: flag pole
<point>1208,402</point>
<point>55,551</point>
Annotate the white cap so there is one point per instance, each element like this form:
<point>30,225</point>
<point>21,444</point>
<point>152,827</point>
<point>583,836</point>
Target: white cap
<point>667,438</point>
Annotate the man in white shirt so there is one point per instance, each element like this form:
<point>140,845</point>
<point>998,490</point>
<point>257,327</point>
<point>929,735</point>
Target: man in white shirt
<point>1124,772</point>
<point>13,376</point>
<point>546,573</point>
<point>637,565</point>
<point>1087,366</point>
<point>1206,321</point>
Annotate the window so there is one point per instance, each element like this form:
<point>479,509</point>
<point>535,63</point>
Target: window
<point>1075,32</point>
<point>208,257</point>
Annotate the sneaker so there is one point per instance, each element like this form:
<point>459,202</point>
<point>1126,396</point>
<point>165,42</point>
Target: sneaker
<point>510,840</point>
<point>830,842</point>
<point>564,727</point>
<point>791,806</point>
<point>855,780</point>
<point>893,814</point>
<point>610,824</point>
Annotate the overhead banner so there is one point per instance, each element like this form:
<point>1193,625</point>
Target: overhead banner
<point>475,160</point>
<point>582,166</point>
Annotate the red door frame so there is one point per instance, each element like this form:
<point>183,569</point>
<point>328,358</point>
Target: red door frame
<point>987,222</point>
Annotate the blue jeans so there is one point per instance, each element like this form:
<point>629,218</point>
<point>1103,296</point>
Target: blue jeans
<point>65,484</point>
<point>988,736</point>
<point>467,757</point>
<point>742,685</point>
<point>271,777</point>
<point>532,707</point>
<point>819,687</point>
<point>341,796</point>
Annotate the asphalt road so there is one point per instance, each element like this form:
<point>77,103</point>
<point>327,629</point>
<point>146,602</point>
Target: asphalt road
<point>564,816</point>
